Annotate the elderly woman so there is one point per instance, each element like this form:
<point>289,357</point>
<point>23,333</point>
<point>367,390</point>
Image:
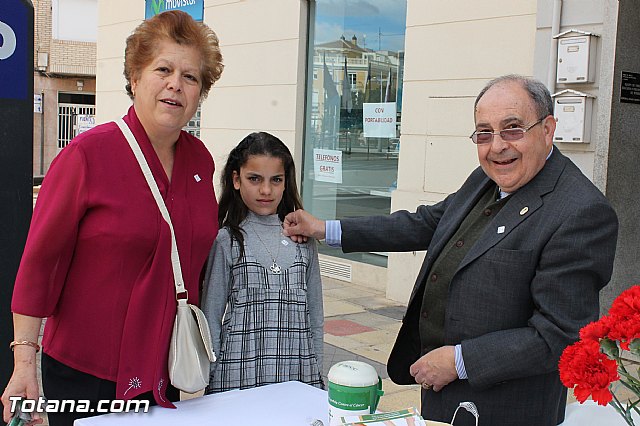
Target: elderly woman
<point>97,259</point>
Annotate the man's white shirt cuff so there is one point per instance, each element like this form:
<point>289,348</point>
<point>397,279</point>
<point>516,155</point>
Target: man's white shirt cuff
<point>462,372</point>
<point>333,233</point>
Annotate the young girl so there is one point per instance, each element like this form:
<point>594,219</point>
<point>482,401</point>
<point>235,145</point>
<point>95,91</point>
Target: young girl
<point>262,292</point>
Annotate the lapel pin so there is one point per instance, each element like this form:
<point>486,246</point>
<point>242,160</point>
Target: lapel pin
<point>524,211</point>
<point>500,229</point>
<point>198,179</point>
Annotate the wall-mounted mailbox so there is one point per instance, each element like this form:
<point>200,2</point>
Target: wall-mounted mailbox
<point>576,57</point>
<point>572,111</point>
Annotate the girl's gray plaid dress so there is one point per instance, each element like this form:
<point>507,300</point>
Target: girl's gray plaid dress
<point>266,334</point>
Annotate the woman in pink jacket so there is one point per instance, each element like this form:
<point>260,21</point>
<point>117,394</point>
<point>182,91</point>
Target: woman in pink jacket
<point>97,259</point>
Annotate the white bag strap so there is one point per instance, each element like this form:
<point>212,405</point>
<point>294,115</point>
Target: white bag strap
<point>146,171</point>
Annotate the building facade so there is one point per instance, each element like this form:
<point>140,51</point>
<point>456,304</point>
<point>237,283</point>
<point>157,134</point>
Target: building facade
<point>64,75</point>
<point>305,71</point>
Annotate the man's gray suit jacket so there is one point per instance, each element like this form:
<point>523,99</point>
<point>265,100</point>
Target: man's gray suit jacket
<point>516,300</point>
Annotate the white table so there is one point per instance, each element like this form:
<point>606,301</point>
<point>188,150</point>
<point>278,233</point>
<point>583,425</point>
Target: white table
<point>592,414</point>
<point>282,404</point>
<point>290,403</point>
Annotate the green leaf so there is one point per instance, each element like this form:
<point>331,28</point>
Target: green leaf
<point>610,348</point>
<point>634,346</point>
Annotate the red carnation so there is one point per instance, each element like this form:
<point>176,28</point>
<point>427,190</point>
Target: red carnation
<point>596,330</point>
<point>627,304</point>
<point>625,317</point>
<point>625,330</point>
<point>590,372</point>
<point>584,367</point>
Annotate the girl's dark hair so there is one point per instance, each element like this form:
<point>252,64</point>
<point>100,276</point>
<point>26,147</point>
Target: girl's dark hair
<point>231,209</point>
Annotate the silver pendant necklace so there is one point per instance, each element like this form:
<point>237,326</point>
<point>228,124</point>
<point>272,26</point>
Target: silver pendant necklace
<point>274,268</point>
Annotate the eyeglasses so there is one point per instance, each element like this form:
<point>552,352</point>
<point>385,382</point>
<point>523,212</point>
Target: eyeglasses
<point>507,135</point>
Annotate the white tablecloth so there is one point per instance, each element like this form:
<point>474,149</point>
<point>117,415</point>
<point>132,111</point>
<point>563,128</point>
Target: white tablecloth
<point>289,403</point>
<point>592,414</point>
<point>282,404</point>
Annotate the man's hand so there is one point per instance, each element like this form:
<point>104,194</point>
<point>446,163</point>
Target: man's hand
<point>299,225</point>
<point>436,369</point>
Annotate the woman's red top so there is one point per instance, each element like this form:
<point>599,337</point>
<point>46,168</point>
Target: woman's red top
<point>97,258</point>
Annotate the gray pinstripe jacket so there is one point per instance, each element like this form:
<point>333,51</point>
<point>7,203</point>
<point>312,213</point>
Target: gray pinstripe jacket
<point>516,300</point>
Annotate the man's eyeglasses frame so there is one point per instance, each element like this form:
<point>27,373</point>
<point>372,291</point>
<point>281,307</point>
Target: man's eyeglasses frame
<point>507,135</point>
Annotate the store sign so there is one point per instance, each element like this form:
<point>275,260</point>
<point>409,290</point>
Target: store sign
<point>16,158</point>
<point>14,63</point>
<point>630,87</point>
<point>379,120</point>
<point>195,8</point>
<point>84,123</point>
<point>8,41</point>
<point>327,165</point>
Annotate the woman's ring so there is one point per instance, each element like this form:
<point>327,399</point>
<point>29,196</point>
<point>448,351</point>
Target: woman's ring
<point>426,386</point>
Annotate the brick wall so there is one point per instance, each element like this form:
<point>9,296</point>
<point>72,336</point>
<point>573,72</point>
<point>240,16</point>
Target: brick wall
<point>72,57</point>
<point>42,24</point>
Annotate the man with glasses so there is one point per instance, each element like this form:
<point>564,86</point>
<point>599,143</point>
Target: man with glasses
<point>515,261</point>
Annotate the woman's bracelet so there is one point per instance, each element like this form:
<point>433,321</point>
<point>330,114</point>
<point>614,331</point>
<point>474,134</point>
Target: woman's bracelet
<point>15,343</point>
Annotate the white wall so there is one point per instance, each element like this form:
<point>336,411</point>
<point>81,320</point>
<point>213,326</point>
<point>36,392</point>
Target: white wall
<point>583,15</point>
<point>116,20</point>
<point>263,43</point>
<point>75,20</point>
<point>453,49</point>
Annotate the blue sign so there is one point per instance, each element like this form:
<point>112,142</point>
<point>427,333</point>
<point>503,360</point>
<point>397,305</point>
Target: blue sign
<point>195,8</point>
<point>15,65</point>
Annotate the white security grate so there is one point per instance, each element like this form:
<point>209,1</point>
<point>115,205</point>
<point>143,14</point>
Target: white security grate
<point>67,121</point>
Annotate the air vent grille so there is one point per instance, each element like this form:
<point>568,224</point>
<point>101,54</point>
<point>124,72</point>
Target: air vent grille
<point>337,270</point>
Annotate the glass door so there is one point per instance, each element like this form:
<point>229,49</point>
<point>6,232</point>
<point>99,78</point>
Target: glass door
<point>354,110</point>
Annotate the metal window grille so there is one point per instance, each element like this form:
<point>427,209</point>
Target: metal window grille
<point>67,123</point>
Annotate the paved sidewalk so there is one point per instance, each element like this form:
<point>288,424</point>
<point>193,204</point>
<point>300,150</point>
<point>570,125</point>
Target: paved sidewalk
<point>361,325</point>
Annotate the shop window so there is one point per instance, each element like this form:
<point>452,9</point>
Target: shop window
<point>356,62</point>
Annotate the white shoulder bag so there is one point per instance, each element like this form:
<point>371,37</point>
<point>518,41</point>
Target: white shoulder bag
<point>191,350</point>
